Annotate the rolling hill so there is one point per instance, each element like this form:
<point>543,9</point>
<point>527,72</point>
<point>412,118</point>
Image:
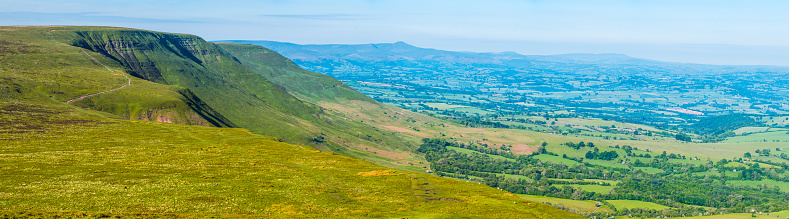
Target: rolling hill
<point>119,153</point>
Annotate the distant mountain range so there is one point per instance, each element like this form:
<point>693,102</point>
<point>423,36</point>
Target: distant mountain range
<point>404,51</point>
<point>336,55</point>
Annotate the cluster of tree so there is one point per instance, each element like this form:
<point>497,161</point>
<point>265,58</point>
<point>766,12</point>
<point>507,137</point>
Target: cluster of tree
<point>667,192</point>
<point>670,156</point>
<point>483,148</point>
<point>579,145</point>
<point>784,156</point>
<point>717,125</point>
<point>763,152</point>
<point>605,155</point>
<point>683,137</point>
<point>478,122</point>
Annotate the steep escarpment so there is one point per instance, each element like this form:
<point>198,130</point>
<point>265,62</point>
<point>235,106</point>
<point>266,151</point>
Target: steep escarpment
<point>245,98</point>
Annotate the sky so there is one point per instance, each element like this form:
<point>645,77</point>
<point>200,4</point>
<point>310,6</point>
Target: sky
<point>744,32</point>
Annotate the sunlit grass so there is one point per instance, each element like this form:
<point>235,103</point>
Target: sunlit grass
<point>68,160</point>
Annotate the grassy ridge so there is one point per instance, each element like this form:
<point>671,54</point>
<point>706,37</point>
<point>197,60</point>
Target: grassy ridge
<point>242,96</point>
<point>311,86</point>
<point>38,67</point>
<point>58,159</point>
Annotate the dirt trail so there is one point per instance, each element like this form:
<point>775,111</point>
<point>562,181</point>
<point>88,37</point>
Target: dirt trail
<point>103,92</point>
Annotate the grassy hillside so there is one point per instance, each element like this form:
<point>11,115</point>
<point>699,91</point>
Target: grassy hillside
<point>57,159</point>
<point>354,128</point>
<point>314,87</point>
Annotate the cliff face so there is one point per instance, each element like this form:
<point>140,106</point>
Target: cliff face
<point>145,52</point>
<point>215,77</point>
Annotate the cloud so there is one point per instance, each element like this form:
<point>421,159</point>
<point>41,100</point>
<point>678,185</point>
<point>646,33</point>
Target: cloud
<point>316,16</point>
<point>21,18</point>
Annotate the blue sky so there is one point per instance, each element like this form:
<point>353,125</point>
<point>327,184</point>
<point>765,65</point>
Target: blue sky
<point>714,32</point>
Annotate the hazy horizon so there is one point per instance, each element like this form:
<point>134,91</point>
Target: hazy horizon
<point>705,32</point>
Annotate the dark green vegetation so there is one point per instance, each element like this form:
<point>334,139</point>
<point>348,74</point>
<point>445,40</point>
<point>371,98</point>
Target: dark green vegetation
<point>686,187</point>
<point>99,157</point>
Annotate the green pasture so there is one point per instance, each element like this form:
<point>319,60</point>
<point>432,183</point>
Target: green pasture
<point>555,159</point>
<point>630,204</point>
<point>648,170</point>
<point>577,205</point>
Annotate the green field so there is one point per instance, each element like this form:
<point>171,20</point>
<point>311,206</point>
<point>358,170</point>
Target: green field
<point>630,204</point>
<point>736,164</point>
<point>777,160</point>
<point>780,214</point>
<point>649,170</point>
<point>779,136</point>
<point>606,163</point>
<point>587,206</point>
<point>555,159</point>
<point>711,172</point>
<point>748,130</point>
<point>596,188</point>
<point>612,182</point>
<point>689,161</point>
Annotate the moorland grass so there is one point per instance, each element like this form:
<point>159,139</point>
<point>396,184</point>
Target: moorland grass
<point>61,159</point>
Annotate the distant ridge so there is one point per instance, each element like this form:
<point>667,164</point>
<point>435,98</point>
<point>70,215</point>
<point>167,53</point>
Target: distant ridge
<point>320,58</point>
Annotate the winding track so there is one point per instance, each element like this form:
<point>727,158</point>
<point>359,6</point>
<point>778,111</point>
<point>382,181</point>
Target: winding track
<point>128,83</point>
<point>103,92</point>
